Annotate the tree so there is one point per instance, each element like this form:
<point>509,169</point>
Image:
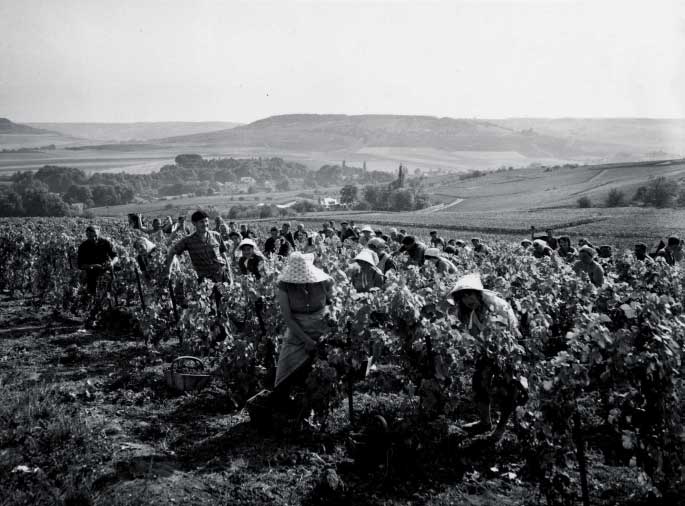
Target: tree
<point>348,194</point>
<point>11,204</point>
<point>660,191</point>
<point>615,198</point>
<point>283,185</point>
<point>401,200</point>
<point>78,193</point>
<point>59,179</point>
<point>189,160</point>
<point>584,202</point>
<point>370,194</point>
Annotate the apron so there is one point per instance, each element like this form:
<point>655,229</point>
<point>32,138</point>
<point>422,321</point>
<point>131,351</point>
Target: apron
<point>292,354</point>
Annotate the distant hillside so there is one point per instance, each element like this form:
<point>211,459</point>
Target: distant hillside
<point>118,132</point>
<point>303,132</point>
<point>8,127</point>
<point>661,137</point>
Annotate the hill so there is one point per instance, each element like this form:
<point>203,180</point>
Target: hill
<point>17,136</point>
<point>658,137</point>
<point>142,131</point>
<point>536,188</point>
<point>311,132</point>
<point>8,127</point>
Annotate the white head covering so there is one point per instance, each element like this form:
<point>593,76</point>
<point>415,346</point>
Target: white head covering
<point>432,252</point>
<point>468,282</point>
<point>300,269</point>
<point>247,242</point>
<point>368,256</point>
<point>367,228</point>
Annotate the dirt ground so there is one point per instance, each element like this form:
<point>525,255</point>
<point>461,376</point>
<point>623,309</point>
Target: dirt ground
<point>147,444</point>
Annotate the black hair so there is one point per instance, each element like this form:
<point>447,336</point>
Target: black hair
<point>198,216</point>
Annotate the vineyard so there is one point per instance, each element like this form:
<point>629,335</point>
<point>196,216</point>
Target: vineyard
<point>88,418</point>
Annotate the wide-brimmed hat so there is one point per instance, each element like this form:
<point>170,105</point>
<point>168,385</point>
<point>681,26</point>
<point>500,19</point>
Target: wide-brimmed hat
<point>539,242</point>
<point>368,256</point>
<point>247,242</point>
<point>367,228</point>
<point>301,269</point>
<point>467,282</point>
<point>432,252</point>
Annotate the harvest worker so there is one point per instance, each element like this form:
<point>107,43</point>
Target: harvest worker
<point>180,229</point>
<point>416,250</point>
<point>483,312</point>
<point>640,251</point>
<point>347,233</point>
<point>287,235</point>
<point>673,252</point>
<point>566,251</point>
<point>587,264</point>
<point>479,249</point>
<point>379,247</point>
<point>436,240</point>
<point>363,273</point>
<point>541,249</point>
<point>95,257</point>
<point>271,243</point>
<point>442,265</point>
<point>366,234</point>
<point>303,293</point>
<point>207,251</point>
<point>251,260</point>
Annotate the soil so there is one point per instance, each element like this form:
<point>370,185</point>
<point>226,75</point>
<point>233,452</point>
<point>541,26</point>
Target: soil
<point>162,446</point>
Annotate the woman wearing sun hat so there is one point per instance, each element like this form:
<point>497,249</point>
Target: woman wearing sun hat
<point>304,291</point>
<point>251,260</point>
<point>442,265</point>
<point>363,273</point>
<point>478,309</point>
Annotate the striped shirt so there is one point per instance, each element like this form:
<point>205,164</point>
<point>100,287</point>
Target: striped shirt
<point>205,253</point>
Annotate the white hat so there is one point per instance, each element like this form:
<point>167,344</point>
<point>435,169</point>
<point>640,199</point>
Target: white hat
<point>300,269</point>
<point>468,282</point>
<point>247,242</point>
<point>432,252</point>
<point>368,256</point>
<point>367,228</point>
<point>540,243</point>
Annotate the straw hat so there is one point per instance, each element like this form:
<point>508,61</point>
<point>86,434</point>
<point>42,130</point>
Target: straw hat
<point>300,269</point>
<point>368,256</point>
<point>432,252</point>
<point>367,228</point>
<point>247,242</point>
<point>468,282</point>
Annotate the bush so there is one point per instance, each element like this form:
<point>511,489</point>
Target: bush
<point>584,202</point>
<point>616,198</point>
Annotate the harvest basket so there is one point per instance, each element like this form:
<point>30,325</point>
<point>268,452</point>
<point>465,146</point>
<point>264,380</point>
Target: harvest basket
<point>187,373</point>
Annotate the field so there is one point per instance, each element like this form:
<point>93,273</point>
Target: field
<point>621,226</point>
<point>89,419</point>
<point>535,188</point>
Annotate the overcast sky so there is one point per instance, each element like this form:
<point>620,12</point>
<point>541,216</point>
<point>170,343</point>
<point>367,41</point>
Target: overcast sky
<point>138,60</point>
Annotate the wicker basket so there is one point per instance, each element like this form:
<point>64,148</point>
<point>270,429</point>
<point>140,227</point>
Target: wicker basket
<point>184,381</point>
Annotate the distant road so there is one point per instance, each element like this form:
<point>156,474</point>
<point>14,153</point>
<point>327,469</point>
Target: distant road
<point>439,207</point>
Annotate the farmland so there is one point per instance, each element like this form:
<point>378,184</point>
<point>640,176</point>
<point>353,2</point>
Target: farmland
<point>90,418</point>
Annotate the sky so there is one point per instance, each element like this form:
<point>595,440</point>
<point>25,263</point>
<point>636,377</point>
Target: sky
<point>138,60</point>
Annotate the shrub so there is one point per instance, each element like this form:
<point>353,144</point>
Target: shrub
<point>584,202</point>
<point>616,198</point>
